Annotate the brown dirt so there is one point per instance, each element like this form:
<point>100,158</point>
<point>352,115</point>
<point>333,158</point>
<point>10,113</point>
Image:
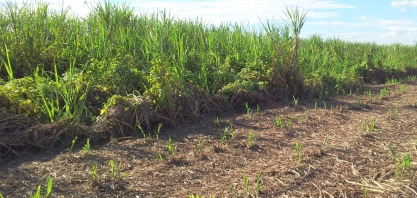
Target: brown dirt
<point>354,158</point>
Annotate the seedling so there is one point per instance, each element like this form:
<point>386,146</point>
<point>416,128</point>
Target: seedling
<point>218,121</point>
<point>141,129</point>
<point>403,88</point>
<point>251,139</point>
<point>315,105</point>
<point>86,148</point>
<point>199,144</point>
<point>246,182</point>
<point>48,189</point>
<point>259,186</point>
<point>324,105</point>
<point>117,173</point>
<point>171,147</point>
<point>232,132</point>
<point>159,156</point>
<point>383,93</point>
<point>372,124</point>
<point>365,193</point>
<point>403,165</point>
<point>289,123</point>
<point>159,130</point>
<point>94,176</point>
<point>278,122</point>
<point>295,101</point>
<point>223,135</point>
<point>248,110</point>
<point>298,151</point>
<point>258,108</point>
<point>323,145</point>
<point>406,164</point>
<point>72,144</point>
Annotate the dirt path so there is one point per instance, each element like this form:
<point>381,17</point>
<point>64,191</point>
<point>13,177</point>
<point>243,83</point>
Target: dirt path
<point>354,160</point>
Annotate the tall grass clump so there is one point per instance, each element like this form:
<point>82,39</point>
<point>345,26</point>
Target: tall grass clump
<point>57,66</point>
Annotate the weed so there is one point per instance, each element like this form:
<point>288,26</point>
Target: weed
<point>324,105</point>
<point>86,148</point>
<point>315,105</point>
<point>298,151</point>
<point>72,144</point>
<point>258,108</point>
<point>171,147</point>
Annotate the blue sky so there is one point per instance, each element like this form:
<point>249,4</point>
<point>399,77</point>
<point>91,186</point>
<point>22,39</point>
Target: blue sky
<point>380,21</point>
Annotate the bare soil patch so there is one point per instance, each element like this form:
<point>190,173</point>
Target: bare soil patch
<point>354,160</point>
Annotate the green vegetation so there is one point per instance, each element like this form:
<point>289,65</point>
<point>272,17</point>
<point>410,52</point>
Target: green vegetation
<point>86,148</point>
<point>129,70</point>
<point>298,151</point>
<point>48,190</point>
<point>251,139</point>
<point>171,147</point>
<point>323,145</point>
<point>72,144</point>
<point>402,166</point>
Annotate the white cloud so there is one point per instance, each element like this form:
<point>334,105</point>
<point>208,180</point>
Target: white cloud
<point>239,10</point>
<point>403,4</point>
<point>367,17</point>
<point>404,31</point>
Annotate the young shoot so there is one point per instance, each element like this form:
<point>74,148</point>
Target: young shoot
<point>251,139</point>
<point>72,144</point>
<point>295,101</point>
<point>298,151</point>
<point>323,145</point>
<point>278,122</point>
<point>86,148</point>
<point>171,147</point>
<point>159,130</point>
